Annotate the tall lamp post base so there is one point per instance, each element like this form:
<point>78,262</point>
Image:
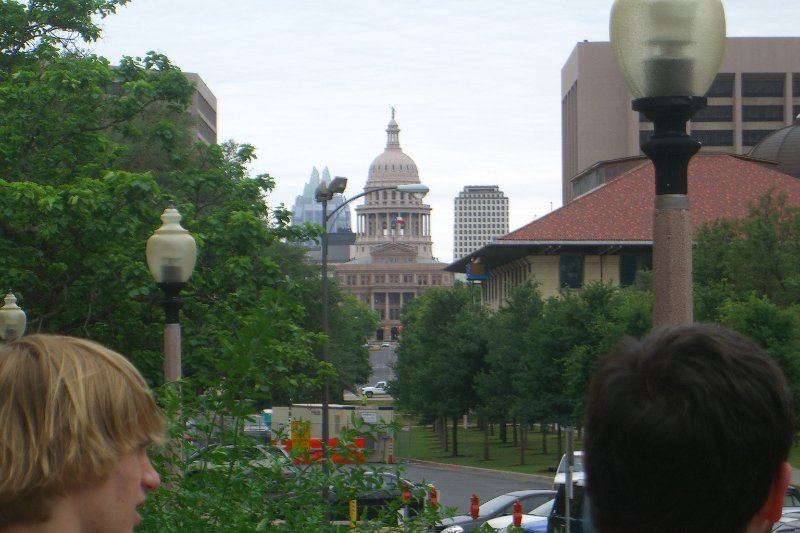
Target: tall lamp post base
<point>172,330</point>
<point>670,149</point>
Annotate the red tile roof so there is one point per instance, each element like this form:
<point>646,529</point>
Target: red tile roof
<point>720,186</point>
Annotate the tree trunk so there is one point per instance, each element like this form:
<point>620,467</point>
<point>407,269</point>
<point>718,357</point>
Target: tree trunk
<point>560,449</point>
<point>523,443</point>
<point>503,430</point>
<point>487,427</point>
<point>455,435</point>
<point>544,438</point>
<point>514,440</point>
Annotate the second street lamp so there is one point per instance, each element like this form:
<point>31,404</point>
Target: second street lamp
<point>324,193</point>
<point>668,52</point>
<point>171,256</point>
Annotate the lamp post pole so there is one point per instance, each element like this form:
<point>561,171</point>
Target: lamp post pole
<point>326,390</point>
<point>171,257</point>
<point>668,52</point>
<point>323,194</point>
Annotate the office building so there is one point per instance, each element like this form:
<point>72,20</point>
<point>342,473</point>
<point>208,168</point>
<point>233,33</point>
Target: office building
<point>756,92</point>
<point>480,216</point>
<point>203,109</point>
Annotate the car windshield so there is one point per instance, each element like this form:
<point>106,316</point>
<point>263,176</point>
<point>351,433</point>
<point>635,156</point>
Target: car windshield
<point>577,463</point>
<point>542,510</point>
<point>496,504</point>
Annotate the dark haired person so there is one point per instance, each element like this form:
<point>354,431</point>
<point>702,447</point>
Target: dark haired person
<point>687,430</point>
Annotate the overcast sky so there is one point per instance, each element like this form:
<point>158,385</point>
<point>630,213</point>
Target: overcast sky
<point>476,84</point>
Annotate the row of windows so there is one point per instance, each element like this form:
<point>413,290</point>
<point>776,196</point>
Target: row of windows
<point>570,269</point>
<point>377,279</point>
<point>717,137</point>
<point>461,227</point>
<point>724,113</point>
<point>756,85</point>
<point>481,208</point>
<point>483,199</point>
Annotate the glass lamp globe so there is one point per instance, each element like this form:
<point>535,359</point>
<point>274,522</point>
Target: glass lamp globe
<point>668,47</point>
<point>171,250</point>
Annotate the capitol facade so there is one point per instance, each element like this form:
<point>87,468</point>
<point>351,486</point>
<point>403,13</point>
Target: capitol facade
<point>393,252</point>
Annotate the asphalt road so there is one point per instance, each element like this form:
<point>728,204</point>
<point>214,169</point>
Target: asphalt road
<point>382,361</point>
<point>457,484</point>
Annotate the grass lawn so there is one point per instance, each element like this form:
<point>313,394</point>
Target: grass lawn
<point>421,443</point>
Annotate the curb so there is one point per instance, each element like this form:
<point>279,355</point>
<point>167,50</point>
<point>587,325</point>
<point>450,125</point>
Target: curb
<point>518,475</point>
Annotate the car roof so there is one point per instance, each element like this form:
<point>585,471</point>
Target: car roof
<point>528,492</point>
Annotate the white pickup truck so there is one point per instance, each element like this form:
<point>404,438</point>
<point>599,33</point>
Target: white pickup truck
<point>380,387</point>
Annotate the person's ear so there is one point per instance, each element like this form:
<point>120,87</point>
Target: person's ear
<point>771,510</point>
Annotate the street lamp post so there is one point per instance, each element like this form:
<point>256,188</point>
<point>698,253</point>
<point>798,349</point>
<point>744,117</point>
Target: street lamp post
<point>171,256</point>
<point>12,319</point>
<point>323,195</point>
<point>668,52</point>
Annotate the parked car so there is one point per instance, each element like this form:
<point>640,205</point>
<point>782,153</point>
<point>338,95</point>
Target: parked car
<point>791,501</point>
<point>788,523</point>
<point>579,517</point>
<point>380,387</point>
<point>577,469</point>
<point>377,493</point>
<point>499,506</point>
<point>533,520</point>
<point>251,457</point>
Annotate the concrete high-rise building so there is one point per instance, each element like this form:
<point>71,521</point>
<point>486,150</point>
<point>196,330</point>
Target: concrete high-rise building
<point>756,92</point>
<point>204,109</point>
<point>480,216</point>
<point>393,253</point>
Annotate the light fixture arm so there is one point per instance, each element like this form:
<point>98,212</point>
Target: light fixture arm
<point>417,189</point>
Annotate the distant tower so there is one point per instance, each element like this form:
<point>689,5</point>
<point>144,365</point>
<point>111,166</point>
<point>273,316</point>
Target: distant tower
<point>306,209</point>
<point>480,216</point>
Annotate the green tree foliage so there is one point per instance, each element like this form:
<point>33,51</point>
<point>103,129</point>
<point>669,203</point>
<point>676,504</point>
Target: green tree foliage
<point>441,355</point>
<point>89,155</point>
<point>499,383</point>
<point>759,254</point>
<point>776,329</point>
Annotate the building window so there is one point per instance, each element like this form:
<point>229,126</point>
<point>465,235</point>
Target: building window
<point>422,279</point>
<point>570,271</point>
<point>380,278</point>
<point>762,113</point>
<point>714,113</point>
<point>630,265</point>
<point>753,137</point>
<point>714,137</point>
<point>722,86</point>
<point>762,84</point>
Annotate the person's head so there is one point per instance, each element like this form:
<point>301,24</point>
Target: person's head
<point>72,413</point>
<point>687,429</point>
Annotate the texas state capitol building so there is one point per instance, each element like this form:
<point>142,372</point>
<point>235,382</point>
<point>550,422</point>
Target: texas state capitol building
<point>392,259</point>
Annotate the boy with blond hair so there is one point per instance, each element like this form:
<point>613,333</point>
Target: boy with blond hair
<point>77,419</point>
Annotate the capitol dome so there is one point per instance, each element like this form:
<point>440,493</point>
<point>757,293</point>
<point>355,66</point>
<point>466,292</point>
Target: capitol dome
<point>782,146</point>
<point>392,167</point>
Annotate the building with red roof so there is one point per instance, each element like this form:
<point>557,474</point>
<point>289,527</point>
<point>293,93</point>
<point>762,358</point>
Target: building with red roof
<point>606,233</point>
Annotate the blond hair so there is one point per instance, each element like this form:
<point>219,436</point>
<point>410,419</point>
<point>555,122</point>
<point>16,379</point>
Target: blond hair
<point>69,409</point>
